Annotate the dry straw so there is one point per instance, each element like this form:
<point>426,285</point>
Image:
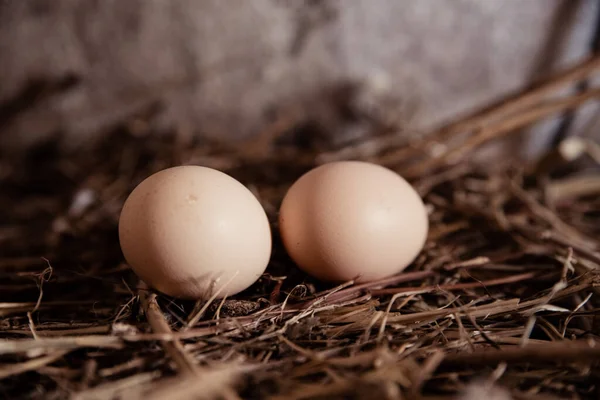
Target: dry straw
<point>505,293</point>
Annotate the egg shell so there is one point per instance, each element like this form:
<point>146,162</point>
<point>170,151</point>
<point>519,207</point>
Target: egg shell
<point>352,219</point>
<point>189,231</point>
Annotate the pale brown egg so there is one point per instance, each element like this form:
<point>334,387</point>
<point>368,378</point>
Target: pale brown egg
<point>352,219</point>
<point>190,231</point>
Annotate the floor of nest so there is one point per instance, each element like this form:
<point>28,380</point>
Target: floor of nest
<point>503,300</point>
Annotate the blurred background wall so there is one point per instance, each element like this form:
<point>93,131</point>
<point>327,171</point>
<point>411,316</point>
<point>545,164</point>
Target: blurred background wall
<point>225,67</point>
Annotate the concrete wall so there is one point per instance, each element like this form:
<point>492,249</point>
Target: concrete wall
<point>220,66</point>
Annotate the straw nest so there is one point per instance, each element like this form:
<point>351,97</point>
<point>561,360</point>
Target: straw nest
<point>502,302</point>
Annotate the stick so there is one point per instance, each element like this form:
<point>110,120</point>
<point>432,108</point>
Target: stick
<point>459,286</point>
<point>503,108</point>
<point>31,365</point>
<point>497,130</point>
<point>520,100</point>
<point>174,348</point>
<point>573,187</point>
<point>551,352</point>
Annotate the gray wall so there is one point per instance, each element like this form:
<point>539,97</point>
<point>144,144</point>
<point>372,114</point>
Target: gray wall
<point>216,66</point>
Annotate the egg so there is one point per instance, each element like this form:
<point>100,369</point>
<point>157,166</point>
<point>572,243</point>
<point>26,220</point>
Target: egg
<point>191,231</point>
<point>352,220</point>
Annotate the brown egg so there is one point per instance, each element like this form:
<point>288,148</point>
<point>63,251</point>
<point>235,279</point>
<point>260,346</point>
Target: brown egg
<point>189,231</point>
<point>352,219</point>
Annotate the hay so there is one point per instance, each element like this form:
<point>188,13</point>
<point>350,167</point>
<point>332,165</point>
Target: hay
<point>502,302</point>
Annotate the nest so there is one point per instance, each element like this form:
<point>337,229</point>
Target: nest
<point>502,302</point>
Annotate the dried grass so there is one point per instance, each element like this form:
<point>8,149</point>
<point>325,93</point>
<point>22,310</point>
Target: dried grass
<point>504,294</point>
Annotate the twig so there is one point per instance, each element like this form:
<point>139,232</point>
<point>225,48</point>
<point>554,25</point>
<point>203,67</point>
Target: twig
<point>474,262</point>
<point>387,313</point>
<point>572,187</point>
<point>110,389</point>
<point>582,251</point>
<point>551,352</point>
<point>174,348</point>
<point>501,109</point>
<point>546,215</point>
<point>459,286</point>
<point>520,100</point>
<point>32,326</point>
<point>195,317</point>
<point>403,277</point>
<point>43,345</point>
<point>497,130</point>
<point>31,365</point>
<point>427,370</point>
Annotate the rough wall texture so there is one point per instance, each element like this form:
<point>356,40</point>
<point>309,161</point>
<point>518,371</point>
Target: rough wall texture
<point>221,66</point>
